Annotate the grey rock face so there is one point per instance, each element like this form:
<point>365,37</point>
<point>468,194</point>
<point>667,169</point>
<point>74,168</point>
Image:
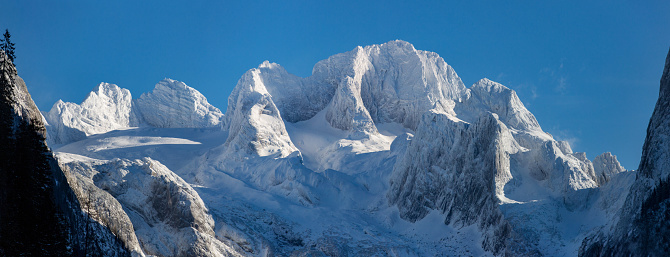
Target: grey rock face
<point>102,207</point>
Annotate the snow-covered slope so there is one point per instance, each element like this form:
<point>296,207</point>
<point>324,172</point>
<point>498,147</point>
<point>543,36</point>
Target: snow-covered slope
<point>381,151</point>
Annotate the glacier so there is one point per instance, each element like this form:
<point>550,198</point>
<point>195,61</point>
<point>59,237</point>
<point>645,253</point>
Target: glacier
<point>382,151</point>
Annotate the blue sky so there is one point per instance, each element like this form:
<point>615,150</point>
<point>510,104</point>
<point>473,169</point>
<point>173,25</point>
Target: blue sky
<point>588,70</point>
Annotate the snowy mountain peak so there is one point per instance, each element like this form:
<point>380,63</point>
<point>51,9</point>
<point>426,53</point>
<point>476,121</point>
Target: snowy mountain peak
<point>397,82</point>
<point>399,43</point>
<point>107,107</point>
<point>253,120</point>
<point>269,65</point>
<point>503,101</point>
<point>173,104</point>
<point>108,90</point>
<point>490,86</point>
<point>605,166</point>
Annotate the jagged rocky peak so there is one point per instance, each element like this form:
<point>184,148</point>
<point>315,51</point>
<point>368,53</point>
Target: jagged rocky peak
<point>494,97</point>
<point>397,82</point>
<point>107,107</point>
<point>605,166</point>
<point>391,82</point>
<point>459,169</point>
<point>173,104</point>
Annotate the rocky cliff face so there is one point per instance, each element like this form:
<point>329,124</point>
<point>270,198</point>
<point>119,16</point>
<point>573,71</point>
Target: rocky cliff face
<point>643,226</point>
<point>459,169</point>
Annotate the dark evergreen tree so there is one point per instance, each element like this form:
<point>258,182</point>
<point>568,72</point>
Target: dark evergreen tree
<point>7,45</point>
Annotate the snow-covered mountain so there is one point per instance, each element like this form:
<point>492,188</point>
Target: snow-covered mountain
<point>381,151</point>
<point>172,104</point>
<point>108,107</point>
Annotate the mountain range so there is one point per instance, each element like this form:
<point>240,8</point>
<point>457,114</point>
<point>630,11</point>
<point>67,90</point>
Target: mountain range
<point>382,151</point>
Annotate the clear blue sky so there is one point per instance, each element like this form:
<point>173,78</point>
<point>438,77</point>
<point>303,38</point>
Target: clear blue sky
<point>588,70</point>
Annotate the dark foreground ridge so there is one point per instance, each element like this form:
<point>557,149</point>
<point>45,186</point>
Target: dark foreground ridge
<point>643,228</point>
<point>39,213</point>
